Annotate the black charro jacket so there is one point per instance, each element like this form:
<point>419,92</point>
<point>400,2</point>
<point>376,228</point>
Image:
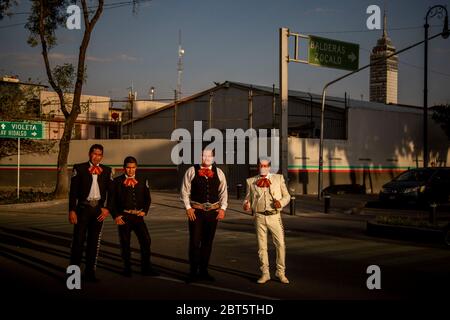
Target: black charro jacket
<point>81,181</point>
<point>129,198</point>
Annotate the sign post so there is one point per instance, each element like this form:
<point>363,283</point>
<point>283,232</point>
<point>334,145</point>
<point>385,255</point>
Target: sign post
<point>25,130</point>
<point>322,52</point>
<point>18,168</point>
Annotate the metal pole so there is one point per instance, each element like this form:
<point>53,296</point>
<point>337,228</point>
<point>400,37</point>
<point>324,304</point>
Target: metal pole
<point>284,59</point>
<point>322,112</point>
<point>311,113</point>
<point>437,10</point>
<point>273,106</point>
<point>432,213</point>
<point>425,100</point>
<point>292,209</point>
<point>18,168</point>
<point>327,203</point>
<point>175,111</point>
<point>250,109</point>
<point>211,94</point>
<point>343,77</point>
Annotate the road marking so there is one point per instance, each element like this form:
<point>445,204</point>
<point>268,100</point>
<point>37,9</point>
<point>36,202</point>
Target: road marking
<point>220,288</point>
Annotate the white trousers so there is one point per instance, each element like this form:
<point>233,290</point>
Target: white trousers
<point>273,224</point>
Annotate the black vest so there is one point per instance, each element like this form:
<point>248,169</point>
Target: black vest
<point>205,189</point>
<point>129,198</point>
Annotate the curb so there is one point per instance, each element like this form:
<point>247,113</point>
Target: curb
<point>406,233</point>
<point>29,205</point>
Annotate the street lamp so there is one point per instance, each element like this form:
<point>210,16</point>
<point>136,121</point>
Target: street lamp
<point>151,93</point>
<point>438,11</point>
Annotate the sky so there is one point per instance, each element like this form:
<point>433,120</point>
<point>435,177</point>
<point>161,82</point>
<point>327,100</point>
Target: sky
<point>235,41</point>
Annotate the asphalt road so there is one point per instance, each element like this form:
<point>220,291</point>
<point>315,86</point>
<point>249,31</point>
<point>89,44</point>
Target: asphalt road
<point>327,258</point>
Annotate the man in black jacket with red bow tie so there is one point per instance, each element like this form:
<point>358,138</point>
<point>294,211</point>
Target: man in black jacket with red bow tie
<point>130,203</point>
<point>89,187</point>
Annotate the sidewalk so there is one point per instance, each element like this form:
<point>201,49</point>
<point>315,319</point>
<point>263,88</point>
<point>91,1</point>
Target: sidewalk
<point>344,206</point>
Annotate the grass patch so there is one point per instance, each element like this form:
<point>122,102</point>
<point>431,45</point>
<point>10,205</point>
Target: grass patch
<point>9,197</point>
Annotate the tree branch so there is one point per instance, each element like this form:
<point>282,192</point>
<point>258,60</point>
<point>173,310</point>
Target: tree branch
<point>47,62</point>
<point>85,13</point>
<point>82,53</point>
<point>97,14</point>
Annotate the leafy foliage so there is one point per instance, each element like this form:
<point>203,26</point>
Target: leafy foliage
<point>53,14</point>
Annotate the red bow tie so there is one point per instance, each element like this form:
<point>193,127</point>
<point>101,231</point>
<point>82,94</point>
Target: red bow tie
<point>263,182</point>
<point>206,172</point>
<point>95,170</point>
<point>130,182</point>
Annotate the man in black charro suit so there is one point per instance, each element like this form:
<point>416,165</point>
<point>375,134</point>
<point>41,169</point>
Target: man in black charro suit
<point>89,188</point>
<point>130,203</point>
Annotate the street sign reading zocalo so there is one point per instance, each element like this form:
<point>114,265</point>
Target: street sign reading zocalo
<point>25,130</point>
<point>333,53</point>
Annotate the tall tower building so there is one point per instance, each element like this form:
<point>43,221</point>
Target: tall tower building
<point>384,75</point>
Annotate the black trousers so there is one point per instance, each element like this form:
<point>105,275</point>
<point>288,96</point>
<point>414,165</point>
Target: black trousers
<point>201,236</point>
<point>87,227</point>
<point>136,224</point>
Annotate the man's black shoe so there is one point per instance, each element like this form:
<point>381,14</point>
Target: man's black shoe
<point>206,277</point>
<point>192,277</point>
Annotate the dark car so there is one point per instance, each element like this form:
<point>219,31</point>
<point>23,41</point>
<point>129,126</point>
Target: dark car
<point>421,185</point>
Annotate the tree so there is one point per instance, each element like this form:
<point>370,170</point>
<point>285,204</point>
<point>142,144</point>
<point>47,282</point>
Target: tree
<point>441,115</point>
<point>19,101</point>
<point>45,18</point>
<point>5,5</point>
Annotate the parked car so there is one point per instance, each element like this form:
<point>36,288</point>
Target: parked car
<point>421,185</point>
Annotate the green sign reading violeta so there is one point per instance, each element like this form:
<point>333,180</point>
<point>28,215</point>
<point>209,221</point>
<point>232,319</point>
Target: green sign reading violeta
<point>333,53</point>
<point>25,130</point>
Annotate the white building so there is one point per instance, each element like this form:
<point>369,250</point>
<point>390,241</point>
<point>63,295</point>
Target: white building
<point>97,119</point>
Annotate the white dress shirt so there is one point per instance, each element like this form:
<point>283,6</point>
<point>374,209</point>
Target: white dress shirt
<point>94,193</point>
<point>186,188</point>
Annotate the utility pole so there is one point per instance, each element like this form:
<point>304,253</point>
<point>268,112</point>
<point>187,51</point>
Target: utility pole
<point>131,98</point>
<point>274,103</point>
<point>284,60</point>
<point>437,10</point>
<point>175,111</point>
<point>179,65</point>
<point>324,91</point>
<point>210,109</point>
<point>250,109</point>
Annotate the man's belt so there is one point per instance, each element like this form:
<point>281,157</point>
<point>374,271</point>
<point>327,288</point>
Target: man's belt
<point>92,203</point>
<point>207,206</point>
<point>134,211</point>
<point>268,212</point>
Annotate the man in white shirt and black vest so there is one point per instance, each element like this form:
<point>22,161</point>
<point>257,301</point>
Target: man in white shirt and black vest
<point>89,187</point>
<point>266,196</point>
<point>131,201</point>
<point>205,197</point>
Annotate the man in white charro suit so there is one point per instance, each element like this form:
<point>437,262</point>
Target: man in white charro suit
<point>266,196</point>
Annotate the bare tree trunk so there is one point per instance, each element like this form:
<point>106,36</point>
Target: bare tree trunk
<point>62,179</point>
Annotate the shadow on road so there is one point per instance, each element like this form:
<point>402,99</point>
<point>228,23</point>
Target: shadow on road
<point>43,241</point>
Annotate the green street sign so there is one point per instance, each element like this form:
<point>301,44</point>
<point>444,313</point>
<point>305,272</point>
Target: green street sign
<point>25,130</point>
<point>333,53</point>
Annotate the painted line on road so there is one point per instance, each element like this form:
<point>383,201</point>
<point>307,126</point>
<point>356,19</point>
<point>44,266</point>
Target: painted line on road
<point>220,289</point>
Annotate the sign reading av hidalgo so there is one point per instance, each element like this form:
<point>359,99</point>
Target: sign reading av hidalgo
<point>26,130</point>
<point>333,53</point>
